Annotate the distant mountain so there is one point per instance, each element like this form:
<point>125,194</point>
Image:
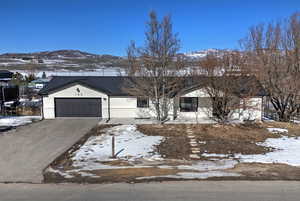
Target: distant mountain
<point>50,54</point>
<point>59,60</point>
<point>196,55</point>
<point>76,60</point>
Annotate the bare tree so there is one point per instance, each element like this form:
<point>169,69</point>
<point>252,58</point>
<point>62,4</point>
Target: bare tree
<point>154,69</point>
<point>273,52</point>
<point>228,86</point>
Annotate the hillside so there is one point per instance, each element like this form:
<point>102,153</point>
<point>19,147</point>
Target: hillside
<point>59,60</point>
<point>75,60</point>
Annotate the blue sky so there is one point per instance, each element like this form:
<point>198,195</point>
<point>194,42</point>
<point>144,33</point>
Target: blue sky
<point>106,27</point>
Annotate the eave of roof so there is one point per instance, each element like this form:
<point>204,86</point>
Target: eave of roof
<point>42,92</point>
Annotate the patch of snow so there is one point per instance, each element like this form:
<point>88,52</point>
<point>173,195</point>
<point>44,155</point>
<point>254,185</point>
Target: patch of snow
<point>215,155</point>
<point>8,103</point>
<point>296,121</point>
<point>133,143</point>
<point>205,175</point>
<point>111,71</point>
<point>209,165</point>
<point>87,174</point>
<point>17,120</point>
<point>267,119</point>
<point>23,99</point>
<point>166,167</point>
<point>63,174</point>
<point>278,130</point>
<point>287,151</point>
<point>194,175</point>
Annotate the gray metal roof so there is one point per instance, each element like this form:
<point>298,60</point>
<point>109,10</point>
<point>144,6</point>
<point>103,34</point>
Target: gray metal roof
<point>113,85</point>
<point>5,74</point>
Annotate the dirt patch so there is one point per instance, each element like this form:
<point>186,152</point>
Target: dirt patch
<point>232,139</point>
<point>260,171</point>
<point>130,174</point>
<point>218,139</point>
<point>28,111</point>
<point>110,175</point>
<point>294,129</point>
<point>175,145</point>
<point>253,133</point>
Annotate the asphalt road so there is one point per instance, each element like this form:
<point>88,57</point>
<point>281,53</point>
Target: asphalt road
<point>27,150</point>
<point>166,191</point>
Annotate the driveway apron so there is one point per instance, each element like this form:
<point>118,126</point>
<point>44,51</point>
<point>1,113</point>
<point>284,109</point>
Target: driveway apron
<point>27,150</point>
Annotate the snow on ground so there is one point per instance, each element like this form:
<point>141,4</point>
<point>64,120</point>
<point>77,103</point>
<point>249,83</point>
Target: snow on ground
<point>139,152</point>
<point>17,120</point>
<point>209,165</point>
<point>194,175</point>
<point>287,151</point>
<point>215,155</point>
<point>278,130</point>
<point>267,119</point>
<point>64,174</point>
<point>99,148</point>
<point>112,71</point>
<point>296,121</point>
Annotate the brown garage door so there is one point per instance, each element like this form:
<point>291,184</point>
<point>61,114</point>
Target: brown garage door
<point>78,107</point>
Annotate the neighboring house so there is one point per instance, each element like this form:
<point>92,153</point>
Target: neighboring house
<point>38,83</point>
<point>5,77</point>
<point>104,97</point>
<point>8,92</point>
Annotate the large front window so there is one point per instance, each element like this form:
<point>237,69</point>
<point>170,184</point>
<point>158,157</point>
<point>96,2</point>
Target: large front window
<point>142,102</point>
<point>188,104</point>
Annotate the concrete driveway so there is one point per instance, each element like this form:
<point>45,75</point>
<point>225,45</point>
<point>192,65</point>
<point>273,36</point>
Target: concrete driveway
<point>27,150</point>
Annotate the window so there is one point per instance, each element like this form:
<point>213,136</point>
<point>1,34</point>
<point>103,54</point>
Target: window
<point>188,104</point>
<point>142,102</point>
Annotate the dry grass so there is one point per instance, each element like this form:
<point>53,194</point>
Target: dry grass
<point>232,139</point>
<point>175,145</point>
<point>134,172</point>
<point>28,111</point>
<point>294,129</point>
<point>110,175</point>
<point>260,171</point>
<point>219,139</point>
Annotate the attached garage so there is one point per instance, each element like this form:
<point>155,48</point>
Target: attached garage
<point>78,107</point>
<point>75,97</point>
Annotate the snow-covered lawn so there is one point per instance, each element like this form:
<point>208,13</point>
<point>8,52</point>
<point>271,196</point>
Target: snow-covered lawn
<point>140,151</point>
<point>17,120</point>
<point>287,151</point>
<point>134,144</point>
<point>277,130</point>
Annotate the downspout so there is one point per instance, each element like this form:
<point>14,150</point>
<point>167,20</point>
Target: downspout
<point>108,104</point>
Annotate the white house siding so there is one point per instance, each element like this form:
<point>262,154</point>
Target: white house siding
<point>126,107</point>
<point>253,109</point>
<point>71,92</point>
<point>203,112</point>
